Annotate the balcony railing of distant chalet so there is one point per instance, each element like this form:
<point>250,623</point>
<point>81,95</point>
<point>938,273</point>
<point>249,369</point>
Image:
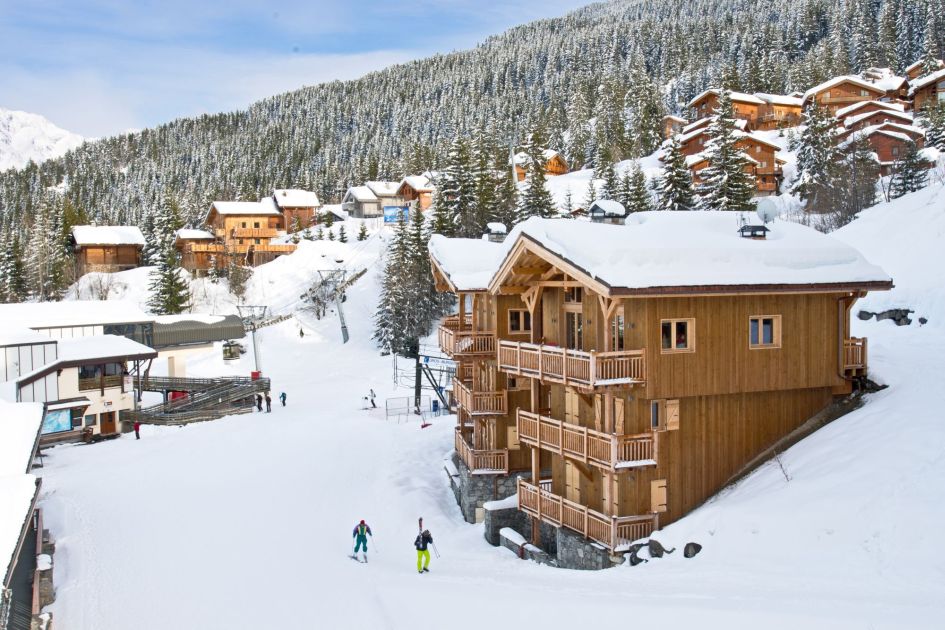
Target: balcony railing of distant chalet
<point>554,364</point>
<point>465,342</point>
<point>604,450</point>
<point>481,462</point>
<point>854,355</point>
<point>481,403</point>
<point>613,532</point>
<point>242,232</point>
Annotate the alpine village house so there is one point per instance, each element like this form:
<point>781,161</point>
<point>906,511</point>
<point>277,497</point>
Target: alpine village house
<point>617,376</point>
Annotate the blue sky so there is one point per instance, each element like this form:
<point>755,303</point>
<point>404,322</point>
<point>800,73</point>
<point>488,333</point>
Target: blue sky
<point>98,67</point>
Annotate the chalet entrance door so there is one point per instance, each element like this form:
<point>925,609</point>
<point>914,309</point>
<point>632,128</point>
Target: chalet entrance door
<point>106,422</point>
<point>572,482</point>
<point>574,330</point>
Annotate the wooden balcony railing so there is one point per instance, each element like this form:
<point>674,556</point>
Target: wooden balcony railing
<point>604,450</point>
<point>452,322</point>
<point>481,462</point>
<point>481,403</point>
<point>554,364</point>
<point>458,343</point>
<point>613,532</point>
<point>854,354</point>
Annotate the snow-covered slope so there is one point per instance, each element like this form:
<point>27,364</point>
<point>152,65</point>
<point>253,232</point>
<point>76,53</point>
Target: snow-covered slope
<point>246,520</point>
<point>25,137</point>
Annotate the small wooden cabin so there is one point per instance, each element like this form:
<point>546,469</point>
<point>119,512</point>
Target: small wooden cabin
<point>198,250</point>
<point>298,207</point>
<point>416,190</point>
<point>633,371</point>
<point>607,211</point>
<point>842,91</point>
<point>673,125</point>
<point>747,106</point>
<point>915,71</point>
<point>928,90</point>
<point>106,248</point>
<point>368,201</point>
<point>895,87</point>
<point>891,145</point>
<point>554,165</point>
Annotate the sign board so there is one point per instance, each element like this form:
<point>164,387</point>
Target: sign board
<point>57,421</point>
<point>392,213</point>
<point>437,363</point>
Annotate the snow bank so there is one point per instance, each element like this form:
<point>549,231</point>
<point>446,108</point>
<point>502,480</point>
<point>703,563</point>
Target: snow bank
<point>71,313</point>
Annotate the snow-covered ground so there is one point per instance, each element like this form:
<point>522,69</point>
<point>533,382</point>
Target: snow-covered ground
<point>246,522</point>
<point>25,137</point>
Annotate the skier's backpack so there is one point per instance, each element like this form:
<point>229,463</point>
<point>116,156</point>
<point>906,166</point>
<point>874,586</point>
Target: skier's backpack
<point>418,542</point>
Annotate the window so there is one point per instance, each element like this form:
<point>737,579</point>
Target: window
<point>257,241</point>
<point>243,224</point>
<point>90,420</point>
<point>574,331</point>
<point>616,332</point>
<point>573,295</point>
<point>520,321</point>
<point>76,418</point>
<point>677,335</point>
<point>764,331</point>
<point>516,383</point>
<point>757,148</point>
<point>255,224</point>
<point>864,93</point>
<point>895,150</point>
<point>664,415</point>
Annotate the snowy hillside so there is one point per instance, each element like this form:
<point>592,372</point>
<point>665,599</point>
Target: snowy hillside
<point>25,137</point>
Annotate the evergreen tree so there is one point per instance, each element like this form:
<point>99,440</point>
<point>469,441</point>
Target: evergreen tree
<point>535,201</point>
<point>725,183</point>
<point>457,191</point>
<point>329,220</point>
<point>817,180</point>
<point>362,232</point>
<point>638,195</point>
<point>47,258</point>
<point>674,188</point>
<point>170,292</point>
<point>331,235</point>
<point>611,184</point>
<point>319,234</point>
<point>391,326</point>
<point>590,195</point>
<point>859,185</point>
<point>933,121</point>
<point>911,172</point>
<point>342,237</point>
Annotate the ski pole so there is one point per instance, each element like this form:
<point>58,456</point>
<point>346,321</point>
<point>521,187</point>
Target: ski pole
<point>435,549</point>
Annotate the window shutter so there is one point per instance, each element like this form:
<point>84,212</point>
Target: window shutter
<point>512,438</point>
<point>618,416</point>
<point>658,495</point>
<point>672,415</point>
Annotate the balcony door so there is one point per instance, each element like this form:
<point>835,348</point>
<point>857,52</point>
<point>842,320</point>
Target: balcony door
<point>572,482</point>
<point>574,330</point>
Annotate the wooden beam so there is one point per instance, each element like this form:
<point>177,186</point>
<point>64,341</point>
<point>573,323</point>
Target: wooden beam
<point>526,271</point>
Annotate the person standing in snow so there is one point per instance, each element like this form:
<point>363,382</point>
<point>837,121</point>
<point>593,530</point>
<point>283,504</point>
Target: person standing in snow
<point>423,554</point>
<point>373,405</point>
<point>137,426</point>
<point>360,534</point>
<point>301,333</point>
<point>259,402</point>
<point>268,402</point>
<point>282,397</point>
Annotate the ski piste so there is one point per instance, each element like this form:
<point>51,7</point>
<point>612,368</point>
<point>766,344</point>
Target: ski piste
<point>356,559</point>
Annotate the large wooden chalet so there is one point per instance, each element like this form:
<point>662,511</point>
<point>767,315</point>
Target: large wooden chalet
<point>842,91</point>
<point>764,165</point>
<point>417,191</point>
<point>106,248</point>
<point>553,164</point>
<point>299,208</point>
<point>928,91</point>
<point>625,374</point>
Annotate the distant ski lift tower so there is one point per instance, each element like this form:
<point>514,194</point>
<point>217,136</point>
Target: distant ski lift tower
<point>333,280</point>
<point>252,315</point>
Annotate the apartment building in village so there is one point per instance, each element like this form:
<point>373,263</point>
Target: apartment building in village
<point>617,376</point>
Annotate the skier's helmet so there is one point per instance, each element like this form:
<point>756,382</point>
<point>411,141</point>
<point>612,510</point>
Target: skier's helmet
<point>362,521</point>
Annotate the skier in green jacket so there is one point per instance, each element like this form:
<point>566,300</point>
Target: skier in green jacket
<point>360,534</point>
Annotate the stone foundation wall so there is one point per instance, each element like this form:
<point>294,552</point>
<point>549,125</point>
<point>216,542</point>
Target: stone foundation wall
<point>506,517</point>
<point>472,491</point>
<point>576,552</point>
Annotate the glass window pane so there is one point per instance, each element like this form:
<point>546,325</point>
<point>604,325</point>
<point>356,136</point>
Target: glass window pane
<point>753,332</point>
<point>667,335</point>
<point>767,331</point>
<point>528,320</point>
<point>682,338</point>
<point>655,414</point>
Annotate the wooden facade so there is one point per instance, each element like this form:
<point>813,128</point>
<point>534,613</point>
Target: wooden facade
<point>841,92</point>
<point>631,408</point>
<point>416,191</point>
<point>107,258</point>
<point>929,90</point>
<point>765,166</point>
<point>554,164</point>
<point>672,125</point>
<point>747,107</point>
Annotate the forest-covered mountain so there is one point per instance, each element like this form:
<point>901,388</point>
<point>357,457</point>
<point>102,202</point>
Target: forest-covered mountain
<point>595,81</point>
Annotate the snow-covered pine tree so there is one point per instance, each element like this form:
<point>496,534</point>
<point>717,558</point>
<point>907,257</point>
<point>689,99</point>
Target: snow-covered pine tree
<point>674,188</point>
<point>911,172</point>
<point>391,325</point>
<point>362,232</point>
<point>320,234</point>
<point>329,220</point>
<point>858,186</point>
<point>170,293</point>
<point>933,121</point>
<point>536,200</point>
<point>726,184</point>
<point>342,237</point>
<point>457,190</point>
<point>605,171</point>
<point>568,207</point>
<point>331,234</point>
<point>47,258</point>
<point>590,195</point>
<point>818,158</point>
<point>638,195</point>
<point>506,192</point>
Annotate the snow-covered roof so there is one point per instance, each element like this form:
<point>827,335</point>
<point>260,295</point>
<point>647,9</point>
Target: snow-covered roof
<point>849,121</point>
<point>675,118</point>
<point>701,122</point>
<point>849,109</point>
<point>186,233</point>
<point>335,209</point>
<point>885,79</point>
<point>16,497</point>
<point>100,347</point>
<point>468,263</point>
<point>37,315</point>
<point>245,207</point>
<point>18,429</point>
<point>918,64</point>
<point>826,85</point>
<point>918,84</point>
<point>420,183</point>
<point>608,207</point>
<point>780,99</point>
<point>697,249</point>
<point>362,193</point>
<point>383,189</point>
<point>21,337</point>
<point>892,130</point>
<point>295,198</point>
<point>741,97</point>
<point>107,235</point>
<point>496,228</point>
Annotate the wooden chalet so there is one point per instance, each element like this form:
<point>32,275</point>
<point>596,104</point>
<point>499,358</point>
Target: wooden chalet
<point>916,70</point>
<point>842,91</point>
<point>554,164</point>
<point>244,231</point>
<point>764,165</point>
<point>368,201</point>
<point>891,142</point>
<point>928,90</point>
<point>779,111</point>
<point>106,248</point>
<point>895,87</point>
<point>673,125</point>
<point>633,371</point>
<point>865,107</point>
<point>196,255</point>
<point>858,122</point>
<point>298,207</point>
<point>607,211</point>
<point>748,107</point>
<point>416,190</point>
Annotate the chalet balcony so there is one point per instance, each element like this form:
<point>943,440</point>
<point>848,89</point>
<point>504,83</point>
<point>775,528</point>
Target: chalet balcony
<point>246,233</point>
<point>854,356</point>
<point>481,462</point>
<point>585,370</point>
<point>452,322</point>
<point>603,450</point>
<point>481,403</point>
<point>466,343</point>
<point>614,532</point>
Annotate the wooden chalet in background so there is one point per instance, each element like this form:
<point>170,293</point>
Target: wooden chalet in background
<point>778,111</point>
<point>625,374</point>
<point>928,90</point>
<point>748,107</point>
<point>417,190</point>
<point>891,142</point>
<point>765,166</point>
<point>842,91</point>
<point>298,207</point>
<point>672,125</point>
<point>554,164</point>
<point>915,70</point>
<point>195,254</point>
<point>368,201</point>
<point>106,248</point>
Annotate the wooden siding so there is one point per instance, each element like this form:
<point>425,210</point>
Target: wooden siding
<point>107,258</point>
